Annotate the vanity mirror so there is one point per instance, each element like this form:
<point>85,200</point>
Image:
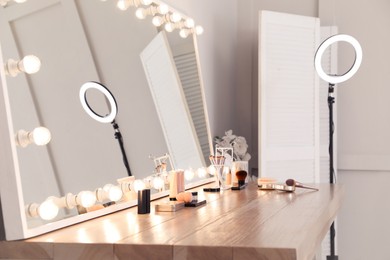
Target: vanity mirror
<point>78,42</point>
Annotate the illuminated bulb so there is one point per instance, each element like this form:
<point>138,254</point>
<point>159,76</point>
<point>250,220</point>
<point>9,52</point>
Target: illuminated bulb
<point>39,136</point>
<point>202,172</point>
<point>169,27</point>
<point>158,182</point>
<point>20,1</point>
<point>189,23</point>
<point>86,199</point>
<point>162,9</point>
<point>175,17</point>
<point>146,2</point>
<point>189,174</point>
<point>157,21</point>
<point>30,64</point>
<point>113,193</point>
<point>48,210</point>
<point>123,4</point>
<point>212,170</point>
<point>141,13</point>
<point>184,33</point>
<point>138,185</point>
<point>199,30</point>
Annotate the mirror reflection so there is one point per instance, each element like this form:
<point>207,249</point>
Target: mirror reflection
<point>79,42</point>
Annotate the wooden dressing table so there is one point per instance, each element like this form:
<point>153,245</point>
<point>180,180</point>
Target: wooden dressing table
<point>246,224</point>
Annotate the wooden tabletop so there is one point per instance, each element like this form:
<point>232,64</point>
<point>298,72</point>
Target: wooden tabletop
<point>245,224</point>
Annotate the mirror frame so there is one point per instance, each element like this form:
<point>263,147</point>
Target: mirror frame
<point>13,219</point>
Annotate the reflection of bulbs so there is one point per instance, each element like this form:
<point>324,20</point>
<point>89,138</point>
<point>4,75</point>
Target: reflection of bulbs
<point>138,185</point>
<point>189,23</point>
<point>39,136</point>
<point>86,199</point>
<point>175,17</point>
<point>184,33</point>
<point>189,174</point>
<point>158,182</point>
<point>140,13</point>
<point>48,210</point>
<point>202,172</point>
<point>169,27</point>
<point>123,4</point>
<point>199,30</point>
<point>163,9</point>
<point>146,2</point>
<point>157,21</point>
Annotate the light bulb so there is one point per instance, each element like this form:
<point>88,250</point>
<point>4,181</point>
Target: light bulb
<point>158,182</point>
<point>189,174</point>
<point>169,27</point>
<point>138,185</point>
<point>123,4</point>
<point>189,23</point>
<point>146,2</point>
<point>202,172</point>
<point>41,135</point>
<point>211,170</point>
<point>48,210</point>
<point>157,21</point>
<point>30,64</point>
<point>113,193</point>
<point>175,17</point>
<point>184,33</point>
<point>140,13</point>
<point>20,1</point>
<point>163,9</point>
<point>86,199</point>
<point>199,30</point>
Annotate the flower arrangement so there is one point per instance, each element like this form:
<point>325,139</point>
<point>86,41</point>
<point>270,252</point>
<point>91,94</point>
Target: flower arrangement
<point>238,143</point>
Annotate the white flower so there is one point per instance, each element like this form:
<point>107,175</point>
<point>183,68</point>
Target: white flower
<point>240,146</point>
<point>238,143</point>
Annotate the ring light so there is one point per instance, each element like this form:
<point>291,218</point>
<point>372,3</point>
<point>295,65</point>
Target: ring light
<point>83,98</point>
<point>355,66</point>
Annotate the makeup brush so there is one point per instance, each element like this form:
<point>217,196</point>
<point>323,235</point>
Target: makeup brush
<point>241,175</point>
<point>292,182</point>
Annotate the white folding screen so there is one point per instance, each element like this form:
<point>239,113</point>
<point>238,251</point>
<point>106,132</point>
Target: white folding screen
<point>288,97</point>
<point>164,82</point>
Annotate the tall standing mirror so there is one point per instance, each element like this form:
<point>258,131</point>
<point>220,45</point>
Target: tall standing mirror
<point>77,42</point>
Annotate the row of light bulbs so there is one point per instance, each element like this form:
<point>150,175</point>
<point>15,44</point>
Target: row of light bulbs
<point>50,208</point>
<point>163,15</point>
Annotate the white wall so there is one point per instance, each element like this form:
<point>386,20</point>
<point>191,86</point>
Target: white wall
<point>363,128</point>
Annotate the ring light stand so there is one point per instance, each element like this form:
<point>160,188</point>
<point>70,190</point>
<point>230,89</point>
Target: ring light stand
<point>110,118</point>
<point>332,80</point>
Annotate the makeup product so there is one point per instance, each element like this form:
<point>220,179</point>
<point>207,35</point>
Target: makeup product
<point>195,203</point>
<point>278,187</point>
<point>144,201</point>
<point>184,196</point>
<point>169,206</point>
<point>195,196</point>
<point>241,175</point>
<point>292,182</point>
